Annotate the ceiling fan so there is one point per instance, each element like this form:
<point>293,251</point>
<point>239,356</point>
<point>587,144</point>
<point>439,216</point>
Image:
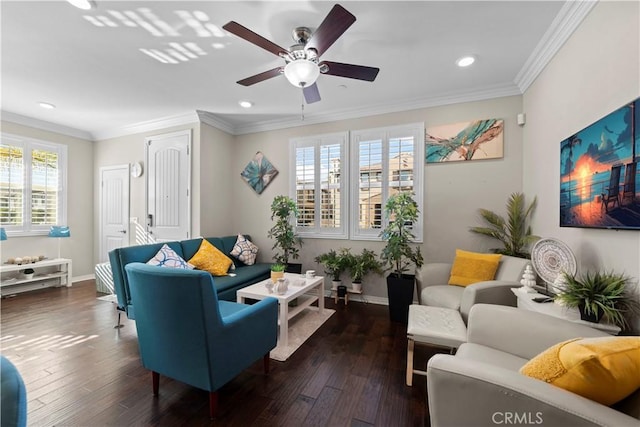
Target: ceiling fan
<point>302,66</point>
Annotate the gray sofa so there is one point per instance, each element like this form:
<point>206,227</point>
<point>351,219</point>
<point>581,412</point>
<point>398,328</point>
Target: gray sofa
<point>226,286</point>
<point>481,385</point>
<point>433,289</point>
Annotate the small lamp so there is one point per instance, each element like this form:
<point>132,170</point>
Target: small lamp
<point>3,234</point>
<point>59,232</point>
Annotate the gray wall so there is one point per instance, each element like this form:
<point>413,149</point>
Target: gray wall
<point>595,73</point>
<point>79,206</point>
<point>453,192</point>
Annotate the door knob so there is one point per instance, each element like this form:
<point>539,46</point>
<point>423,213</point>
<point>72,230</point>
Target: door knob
<point>123,231</point>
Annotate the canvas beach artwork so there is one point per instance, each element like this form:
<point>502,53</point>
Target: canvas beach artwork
<point>599,174</point>
<point>259,173</point>
<point>474,140</point>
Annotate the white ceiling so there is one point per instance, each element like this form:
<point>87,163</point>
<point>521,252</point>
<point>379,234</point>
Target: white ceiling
<point>103,85</point>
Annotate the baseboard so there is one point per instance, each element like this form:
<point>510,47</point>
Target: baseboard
<point>83,278</point>
<point>370,299</point>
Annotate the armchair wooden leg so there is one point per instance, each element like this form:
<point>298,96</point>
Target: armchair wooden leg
<point>265,361</point>
<point>410,346</point>
<point>155,377</point>
<point>213,404</point>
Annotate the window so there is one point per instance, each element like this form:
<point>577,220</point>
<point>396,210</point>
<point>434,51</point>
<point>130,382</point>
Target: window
<point>385,161</point>
<point>32,183</point>
<point>319,185</point>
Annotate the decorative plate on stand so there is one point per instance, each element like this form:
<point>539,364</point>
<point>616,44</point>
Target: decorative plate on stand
<point>551,257</point>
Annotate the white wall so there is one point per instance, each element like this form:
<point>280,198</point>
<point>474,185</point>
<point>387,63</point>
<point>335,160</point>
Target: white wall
<point>453,192</point>
<point>79,247</point>
<point>595,73</point>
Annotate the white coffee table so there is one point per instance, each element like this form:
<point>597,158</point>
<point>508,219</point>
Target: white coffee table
<point>258,291</point>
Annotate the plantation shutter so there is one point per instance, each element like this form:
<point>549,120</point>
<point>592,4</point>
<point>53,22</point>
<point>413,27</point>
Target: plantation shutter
<point>11,185</point>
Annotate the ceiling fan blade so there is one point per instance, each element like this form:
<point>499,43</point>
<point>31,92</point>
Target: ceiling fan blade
<point>261,77</point>
<point>333,26</point>
<point>245,33</point>
<point>351,71</point>
<point>311,93</point>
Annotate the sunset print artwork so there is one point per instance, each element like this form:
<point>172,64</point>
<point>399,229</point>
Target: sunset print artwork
<point>599,175</point>
<point>476,140</point>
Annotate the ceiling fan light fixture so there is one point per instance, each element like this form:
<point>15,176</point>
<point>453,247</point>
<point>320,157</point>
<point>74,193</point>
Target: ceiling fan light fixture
<point>301,72</point>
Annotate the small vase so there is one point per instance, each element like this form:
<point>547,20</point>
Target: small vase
<point>591,316</point>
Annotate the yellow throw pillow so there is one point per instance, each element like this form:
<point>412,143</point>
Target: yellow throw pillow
<point>472,267</point>
<point>604,369</point>
<point>209,258</point>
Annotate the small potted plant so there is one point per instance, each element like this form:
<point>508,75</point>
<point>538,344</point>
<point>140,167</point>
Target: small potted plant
<point>362,264</point>
<point>277,272</point>
<point>600,294</point>
<point>287,243</point>
<point>401,211</point>
<point>334,265</point>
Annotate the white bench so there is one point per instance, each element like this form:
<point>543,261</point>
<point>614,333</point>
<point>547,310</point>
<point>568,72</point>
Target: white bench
<point>433,326</point>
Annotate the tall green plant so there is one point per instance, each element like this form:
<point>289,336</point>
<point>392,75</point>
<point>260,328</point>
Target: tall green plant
<point>514,233</point>
<point>401,211</point>
<point>284,211</point>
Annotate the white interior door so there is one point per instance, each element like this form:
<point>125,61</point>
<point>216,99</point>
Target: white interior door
<point>168,186</point>
<point>114,209</point>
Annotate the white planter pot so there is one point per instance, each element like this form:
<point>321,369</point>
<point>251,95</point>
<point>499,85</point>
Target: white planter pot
<point>356,287</point>
<point>335,284</point>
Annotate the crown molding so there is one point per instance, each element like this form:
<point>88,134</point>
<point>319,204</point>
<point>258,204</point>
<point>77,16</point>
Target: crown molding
<point>8,116</point>
<point>454,98</point>
<point>565,23</point>
<point>148,126</point>
<point>215,121</point>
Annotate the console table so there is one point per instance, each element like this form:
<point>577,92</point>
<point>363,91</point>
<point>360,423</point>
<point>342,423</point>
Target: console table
<point>48,272</point>
<point>525,301</point>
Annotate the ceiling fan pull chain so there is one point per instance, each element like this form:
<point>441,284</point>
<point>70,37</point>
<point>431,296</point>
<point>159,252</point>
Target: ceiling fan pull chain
<point>302,108</point>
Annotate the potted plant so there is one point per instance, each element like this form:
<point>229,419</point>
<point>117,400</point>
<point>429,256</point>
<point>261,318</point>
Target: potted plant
<point>515,232</point>
<point>284,211</point>
<point>600,294</point>
<point>362,264</point>
<point>334,265</point>
<point>277,272</point>
<point>401,211</point>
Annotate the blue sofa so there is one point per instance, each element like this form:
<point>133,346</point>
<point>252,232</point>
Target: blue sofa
<point>226,286</point>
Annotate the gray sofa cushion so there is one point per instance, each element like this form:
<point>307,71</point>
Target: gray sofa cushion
<point>447,296</point>
<point>481,353</point>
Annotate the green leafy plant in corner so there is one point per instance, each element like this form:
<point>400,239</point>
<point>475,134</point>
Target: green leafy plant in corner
<point>335,263</point>
<point>601,293</point>
<point>514,232</point>
<point>362,264</point>
<point>284,211</point>
<point>401,212</point>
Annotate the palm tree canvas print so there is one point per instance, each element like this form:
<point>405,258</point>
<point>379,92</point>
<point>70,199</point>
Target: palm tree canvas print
<point>259,173</point>
<point>475,140</point>
<point>599,174</point>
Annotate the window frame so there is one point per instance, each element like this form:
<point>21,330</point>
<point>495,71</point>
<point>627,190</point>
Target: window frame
<point>317,141</point>
<point>384,134</point>
<point>28,145</point>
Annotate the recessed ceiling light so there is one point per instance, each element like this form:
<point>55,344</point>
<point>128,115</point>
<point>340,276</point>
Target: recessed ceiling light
<point>465,61</point>
<point>82,4</point>
<point>246,104</point>
<point>47,105</point>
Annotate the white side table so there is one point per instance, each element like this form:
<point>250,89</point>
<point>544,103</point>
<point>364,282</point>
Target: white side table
<point>526,302</point>
<point>12,282</point>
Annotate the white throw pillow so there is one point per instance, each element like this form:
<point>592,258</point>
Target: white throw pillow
<point>244,250</point>
<point>167,257</point>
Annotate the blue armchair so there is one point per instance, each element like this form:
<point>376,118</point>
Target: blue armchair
<point>185,333</point>
<point>13,394</point>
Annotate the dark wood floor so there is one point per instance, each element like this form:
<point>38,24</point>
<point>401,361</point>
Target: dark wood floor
<point>79,371</point>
